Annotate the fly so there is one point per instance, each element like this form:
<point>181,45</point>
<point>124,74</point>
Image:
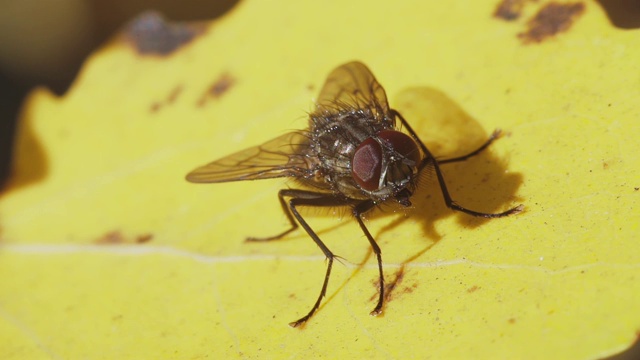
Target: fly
<point>353,154</point>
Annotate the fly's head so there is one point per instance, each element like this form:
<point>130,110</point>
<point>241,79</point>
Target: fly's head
<point>386,165</point>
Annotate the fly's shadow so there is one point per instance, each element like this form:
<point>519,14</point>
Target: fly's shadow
<point>482,182</point>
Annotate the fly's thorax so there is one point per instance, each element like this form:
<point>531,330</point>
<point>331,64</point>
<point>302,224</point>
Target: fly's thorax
<point>334,138</point>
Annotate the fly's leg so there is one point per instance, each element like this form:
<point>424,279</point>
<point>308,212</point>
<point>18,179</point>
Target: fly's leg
<point>495,135</point>
<point>358,210</point>
<point>307,198</point>
<point>285,208</point>
<point>443,186</point>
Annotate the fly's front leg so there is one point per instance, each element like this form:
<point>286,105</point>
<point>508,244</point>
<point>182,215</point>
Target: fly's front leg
<point>495,135</point>
<point>430,159</point>
<point>358,210</point>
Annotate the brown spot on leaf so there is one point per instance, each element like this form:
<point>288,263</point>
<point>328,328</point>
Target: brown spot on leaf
<point>151,34</point>
<point>112,237</point>
<point>551,19</point>
<point>393,285</point>
<point>155,107</point>
<point>510,10</point>
<point>224,82</point>
<point>174,94</point>
<point>144,238</point>
<point>390,287</point>
<point>170,99</point>
<point>473,289</point>
<point>117,237</point>
<point>512,321</point>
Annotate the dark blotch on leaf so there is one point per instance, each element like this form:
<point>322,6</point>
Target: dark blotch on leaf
<point>509,9</point>
<point>112,237</point>
<point>552,19</point>
<point>151,34</point>
<point>144,238</point>
<point>224,82</point>
<point>170,99</point>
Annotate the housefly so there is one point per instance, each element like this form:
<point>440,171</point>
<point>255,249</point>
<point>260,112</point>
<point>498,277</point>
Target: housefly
<point>353,154</point>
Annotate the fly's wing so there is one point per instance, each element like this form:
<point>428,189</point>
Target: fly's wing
<point>352,85</point>
<point>280,157</point>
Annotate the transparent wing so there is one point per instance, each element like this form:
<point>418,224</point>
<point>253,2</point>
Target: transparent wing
<point>352,84</point>
<point>280,157</point>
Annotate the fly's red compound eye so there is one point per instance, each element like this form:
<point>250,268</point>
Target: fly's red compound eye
<point>366,164</point>
<point>402,143</point>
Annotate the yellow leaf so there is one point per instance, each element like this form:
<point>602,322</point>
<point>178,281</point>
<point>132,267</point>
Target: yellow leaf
<point>107,252</point>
